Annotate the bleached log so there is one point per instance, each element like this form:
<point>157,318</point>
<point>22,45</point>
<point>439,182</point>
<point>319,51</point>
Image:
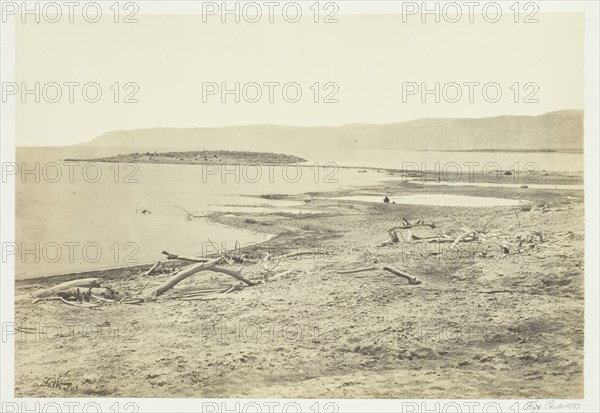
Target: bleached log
<point>462,236</point>
<point>193,269</point>
<point>182,275</point>
<point>234,274</point>
<point>82,283</point>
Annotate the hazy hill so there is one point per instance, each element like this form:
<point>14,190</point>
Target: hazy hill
<point>553,130</point>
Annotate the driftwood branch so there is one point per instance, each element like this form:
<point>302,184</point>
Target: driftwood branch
<point>463,237</point>
<point>183,257</point>
<point>411,279</point>
<point>294,254</point>
<point>357,270</point>
<point>182,275</point>
<point>147,273</point>
<point>406,224</point>
<point>189,215</point>
<point>193,269</point>
<point>235,274</point>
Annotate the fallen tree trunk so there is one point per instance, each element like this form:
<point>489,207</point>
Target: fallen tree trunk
<point>191,270</point>
<point>410,278</point>
<point>83,283</point>
<point>235,274</point>
<point>180,276</point>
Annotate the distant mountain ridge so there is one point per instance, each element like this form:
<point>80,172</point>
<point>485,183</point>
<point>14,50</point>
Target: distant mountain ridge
<point>557,130</point>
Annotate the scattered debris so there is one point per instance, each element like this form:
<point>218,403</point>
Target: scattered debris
<point>89,292</point>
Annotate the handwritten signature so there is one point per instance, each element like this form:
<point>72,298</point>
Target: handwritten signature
<point>58,383</point>
<point>535,406</point>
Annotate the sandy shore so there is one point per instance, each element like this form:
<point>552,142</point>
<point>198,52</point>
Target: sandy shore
<point>481,325</point>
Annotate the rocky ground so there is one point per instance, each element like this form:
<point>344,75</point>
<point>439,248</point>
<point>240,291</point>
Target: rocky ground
<point>482,324</point>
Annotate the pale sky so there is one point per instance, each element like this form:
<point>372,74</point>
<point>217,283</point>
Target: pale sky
<point>367,56</point>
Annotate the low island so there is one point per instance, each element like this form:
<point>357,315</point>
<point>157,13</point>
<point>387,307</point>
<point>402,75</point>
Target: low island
<point>201,157</point>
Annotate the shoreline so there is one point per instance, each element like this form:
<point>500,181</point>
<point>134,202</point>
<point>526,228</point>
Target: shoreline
<point>216,217</point>
<point>351,327</point>
<point>124,268</point>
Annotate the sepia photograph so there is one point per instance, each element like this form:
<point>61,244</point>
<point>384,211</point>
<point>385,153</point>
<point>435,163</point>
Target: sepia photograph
<point>325,206</point>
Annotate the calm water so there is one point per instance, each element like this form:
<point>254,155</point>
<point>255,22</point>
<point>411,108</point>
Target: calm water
<point>87,219</point>
<point>440,200</point>
<point>567,162</point>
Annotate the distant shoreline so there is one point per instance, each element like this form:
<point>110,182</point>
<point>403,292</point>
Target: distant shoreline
<point>153,149</point>
<point>505,150</point>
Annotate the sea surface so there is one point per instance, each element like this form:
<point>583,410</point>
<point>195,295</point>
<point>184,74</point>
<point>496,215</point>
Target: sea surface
<point>73,217</point>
